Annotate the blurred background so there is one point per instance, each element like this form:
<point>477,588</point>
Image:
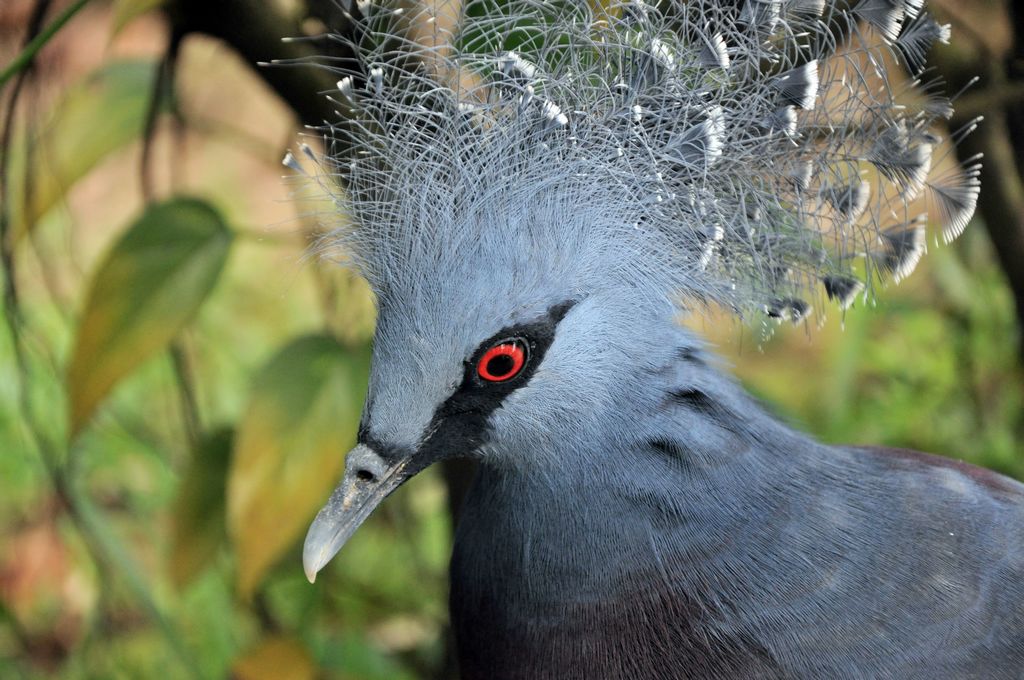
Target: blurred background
<point>179,379</point>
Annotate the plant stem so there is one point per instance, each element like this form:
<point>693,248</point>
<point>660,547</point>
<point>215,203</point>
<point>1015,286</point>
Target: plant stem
<point>32,48</point>
<point>105,546</point>
<point>187,392</point>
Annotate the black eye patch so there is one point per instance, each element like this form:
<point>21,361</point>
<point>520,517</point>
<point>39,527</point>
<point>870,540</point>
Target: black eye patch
<point>459,424</point>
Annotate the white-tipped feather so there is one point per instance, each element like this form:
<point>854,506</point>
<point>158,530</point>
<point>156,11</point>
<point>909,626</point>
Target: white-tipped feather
<point>375,83</point>
<point>788,309</point>
<point>553,116</point>
<point>347,89</point>
<point>917,38</point>
<point>761,16</point>
<point>289,162</point>
<point>701,145</point>
<point>955,196</point>
<point>715,52</point>
<point>913,7</point>
<point>842,289</point>
<point>783,120</point>
<point>799,86</point>
<point>886,16</point>
<point>807,7</point>
<point>516,68</point>
<point>904,157</point>
<point>902,248</point>
<point>691,146</point>
<point>850,201</point>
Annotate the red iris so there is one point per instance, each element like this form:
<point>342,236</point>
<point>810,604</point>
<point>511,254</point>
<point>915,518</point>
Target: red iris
<point>502,362</point>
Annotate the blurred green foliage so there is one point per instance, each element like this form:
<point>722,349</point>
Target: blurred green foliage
<point>178,388</point>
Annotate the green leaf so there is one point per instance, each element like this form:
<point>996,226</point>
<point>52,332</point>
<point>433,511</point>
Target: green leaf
<point>95,118</point>
<point>144,292</point>
<point>301,419</point>
<point>198,522</point>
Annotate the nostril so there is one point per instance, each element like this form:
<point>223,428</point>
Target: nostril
<point>363,465</point>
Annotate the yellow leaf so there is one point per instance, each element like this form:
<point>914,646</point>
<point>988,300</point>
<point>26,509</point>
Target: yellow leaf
<point>197,522</point>
<point>301,419</point>
<point>275,658</point>
<point>147,288</point>
<point>102,114</point>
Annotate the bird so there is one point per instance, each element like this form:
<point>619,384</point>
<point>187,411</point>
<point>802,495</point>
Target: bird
<point>537,193</point>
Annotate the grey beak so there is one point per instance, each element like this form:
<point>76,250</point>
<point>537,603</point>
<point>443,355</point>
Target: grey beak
<point>368,480</point>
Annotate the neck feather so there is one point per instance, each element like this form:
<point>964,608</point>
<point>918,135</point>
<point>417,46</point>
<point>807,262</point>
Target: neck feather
<point>704,461</point>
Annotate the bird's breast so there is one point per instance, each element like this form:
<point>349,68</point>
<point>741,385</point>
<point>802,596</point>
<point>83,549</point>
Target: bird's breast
<point>566,588</point>
<point>630,625</point>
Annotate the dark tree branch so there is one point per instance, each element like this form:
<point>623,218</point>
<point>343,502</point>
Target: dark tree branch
<point>1015,74</point>
<point>1001,203</point>
<point>10,279</point>
<point>257,31</point>
<point>162,91</point>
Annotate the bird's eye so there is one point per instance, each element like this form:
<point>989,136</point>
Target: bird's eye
<point>503,361</point>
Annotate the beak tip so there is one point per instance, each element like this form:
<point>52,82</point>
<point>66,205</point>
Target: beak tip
<point>312,562</point>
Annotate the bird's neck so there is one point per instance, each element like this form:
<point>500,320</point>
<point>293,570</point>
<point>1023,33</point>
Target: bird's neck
<point>592,535</point>
<point>630,550</point>
<point>688,480</point>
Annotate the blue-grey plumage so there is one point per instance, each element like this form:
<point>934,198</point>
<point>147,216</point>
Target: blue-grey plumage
<point>637,515</point>
<point>533,226</point>
<point>708,541</point>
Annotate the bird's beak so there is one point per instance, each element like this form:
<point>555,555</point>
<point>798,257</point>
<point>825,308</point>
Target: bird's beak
<point>368,480</point>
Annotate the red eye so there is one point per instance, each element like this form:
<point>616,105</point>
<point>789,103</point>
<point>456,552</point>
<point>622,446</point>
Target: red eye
<point>502,362</point>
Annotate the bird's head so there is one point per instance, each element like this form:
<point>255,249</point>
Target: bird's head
<point>527,218</point>
<point>512,345</point>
